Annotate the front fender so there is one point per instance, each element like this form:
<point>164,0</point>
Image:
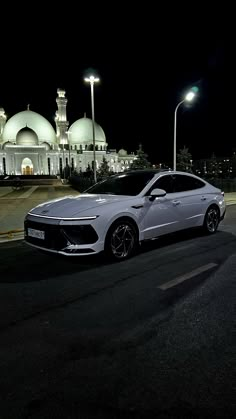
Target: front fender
<point>116,217</point>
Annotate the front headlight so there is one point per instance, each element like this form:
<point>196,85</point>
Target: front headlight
<point>87,218</point>
<point>92,217</point>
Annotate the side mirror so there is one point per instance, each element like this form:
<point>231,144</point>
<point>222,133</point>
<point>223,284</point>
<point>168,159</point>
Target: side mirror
<point>157,193</point>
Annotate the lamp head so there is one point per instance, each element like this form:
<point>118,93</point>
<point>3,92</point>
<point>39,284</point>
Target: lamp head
<point>91,79</point>
<point>190,96</point>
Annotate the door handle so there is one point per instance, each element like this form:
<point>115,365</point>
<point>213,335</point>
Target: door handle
<point>176,202</point>
<point>203,198</point>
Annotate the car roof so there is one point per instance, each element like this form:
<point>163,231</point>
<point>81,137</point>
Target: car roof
<point>155,171</point>
<point>138,171</point>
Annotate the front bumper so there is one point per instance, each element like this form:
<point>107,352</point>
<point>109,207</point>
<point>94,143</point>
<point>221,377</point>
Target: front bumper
<point>223,215</point>
<point>70,240</point>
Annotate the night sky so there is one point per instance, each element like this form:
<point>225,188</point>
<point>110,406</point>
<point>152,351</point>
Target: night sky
<point>146,61</point>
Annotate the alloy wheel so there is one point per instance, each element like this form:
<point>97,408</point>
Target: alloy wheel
<point>123,240</point>
<point>212,220</point>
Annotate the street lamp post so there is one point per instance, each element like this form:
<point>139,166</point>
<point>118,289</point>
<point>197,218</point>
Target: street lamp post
<point>92,80</point>
<point>63,154</point>
<point>68,138</point>
<point>187,98</point>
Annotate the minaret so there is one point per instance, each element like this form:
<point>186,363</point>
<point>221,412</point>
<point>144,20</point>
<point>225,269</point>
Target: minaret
<point>61,118</point>
<point>3,119</point>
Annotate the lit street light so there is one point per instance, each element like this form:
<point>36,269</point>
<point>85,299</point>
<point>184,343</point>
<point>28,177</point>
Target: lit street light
<point>91,79</point>
<point>188,98</point>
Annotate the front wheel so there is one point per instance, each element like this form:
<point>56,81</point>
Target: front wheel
<point>211,221</point>
<point>122,240</point>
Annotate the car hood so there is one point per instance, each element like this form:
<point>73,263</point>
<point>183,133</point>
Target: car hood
<point>71,206</point>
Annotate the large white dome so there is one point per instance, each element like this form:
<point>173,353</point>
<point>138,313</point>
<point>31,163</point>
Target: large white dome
<point>81,132</point>
<point>32,120</point>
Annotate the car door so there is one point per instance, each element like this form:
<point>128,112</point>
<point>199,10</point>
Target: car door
<point>161,215</point>
<point>188,195</point>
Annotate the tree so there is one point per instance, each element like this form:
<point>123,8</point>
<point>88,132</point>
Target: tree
<point>183,160</point>
<point>104,168</point>
<point>141,160</point>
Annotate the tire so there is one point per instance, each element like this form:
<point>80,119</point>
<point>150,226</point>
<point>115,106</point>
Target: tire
<point>122,240</point>
<point>211,220</point>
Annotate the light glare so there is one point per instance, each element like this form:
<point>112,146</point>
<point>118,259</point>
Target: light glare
<point>92,79</point>
<point>189,96</point>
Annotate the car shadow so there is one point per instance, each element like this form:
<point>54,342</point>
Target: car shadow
<point>21,263</point>
<point>172,238</point>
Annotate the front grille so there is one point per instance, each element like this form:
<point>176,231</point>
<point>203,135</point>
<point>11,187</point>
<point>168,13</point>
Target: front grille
<point>80,234</point>
<point>58,237</point>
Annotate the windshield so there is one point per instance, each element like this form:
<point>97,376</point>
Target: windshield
<point>122,184</point>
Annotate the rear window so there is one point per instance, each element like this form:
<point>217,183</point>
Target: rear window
<point>186,183</point>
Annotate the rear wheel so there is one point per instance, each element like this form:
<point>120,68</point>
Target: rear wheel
<point>211,221</point>
<point>121,240</point>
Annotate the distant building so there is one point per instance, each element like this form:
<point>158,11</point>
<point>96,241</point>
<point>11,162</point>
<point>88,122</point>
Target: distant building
<point>29,145</point>
<point>216,167</point>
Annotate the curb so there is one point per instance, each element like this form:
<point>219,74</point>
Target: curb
<point>230,203</point>
<point>11,235</point>
<point>17,230</point>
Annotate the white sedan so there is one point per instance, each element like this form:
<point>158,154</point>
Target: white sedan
<point>115,215</point>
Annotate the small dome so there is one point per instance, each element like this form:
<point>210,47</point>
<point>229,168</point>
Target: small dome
<point>122,153</point>
<point>26,137</point>
<point>46,145</point>
<point>81,132</point>
<point>30,119</point>
<point>7,143</point>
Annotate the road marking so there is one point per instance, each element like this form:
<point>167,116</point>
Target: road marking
<point>189,275</point>
<point>24,195</point>
<point>28,193</point>
<point>5,190</point>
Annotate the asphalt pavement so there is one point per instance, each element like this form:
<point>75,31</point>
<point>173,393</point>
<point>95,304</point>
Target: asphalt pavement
<point>122,375</point>
<point>99,340</point>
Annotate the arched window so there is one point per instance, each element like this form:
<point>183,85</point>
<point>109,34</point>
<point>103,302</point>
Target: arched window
<point>49,166</point>
<point>4,165</point>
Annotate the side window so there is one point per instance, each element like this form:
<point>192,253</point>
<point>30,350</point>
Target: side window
<point>186,183</point>
<point>164,182</point>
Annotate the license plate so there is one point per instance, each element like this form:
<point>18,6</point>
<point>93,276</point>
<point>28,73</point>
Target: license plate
<point>36,233</point>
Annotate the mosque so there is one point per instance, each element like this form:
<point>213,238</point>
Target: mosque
<point>29,144</point>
